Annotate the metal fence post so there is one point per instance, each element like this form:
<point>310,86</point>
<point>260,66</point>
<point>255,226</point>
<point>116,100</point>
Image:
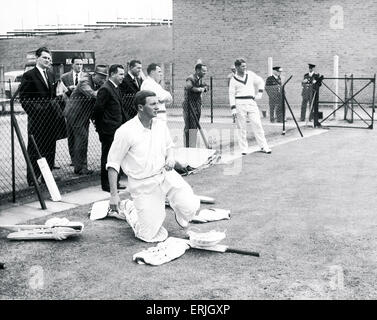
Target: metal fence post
<point>12,151</point>
<point>211,88</point>
<point>351,94</point>
<point>283,107</point>
<point>373,99</point>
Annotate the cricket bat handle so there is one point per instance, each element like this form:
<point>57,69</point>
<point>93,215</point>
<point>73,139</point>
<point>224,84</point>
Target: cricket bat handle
<point>35,145</point>
<point>244,252</point>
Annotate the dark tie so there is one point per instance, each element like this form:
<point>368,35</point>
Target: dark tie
<point>77,79</point>
<point>136,83</point>
<point>46,78</point>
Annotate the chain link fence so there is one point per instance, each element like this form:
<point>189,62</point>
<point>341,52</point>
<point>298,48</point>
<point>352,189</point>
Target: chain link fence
<point>66,136</point>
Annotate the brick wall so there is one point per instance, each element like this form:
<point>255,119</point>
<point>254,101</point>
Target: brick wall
<point>293,32</point>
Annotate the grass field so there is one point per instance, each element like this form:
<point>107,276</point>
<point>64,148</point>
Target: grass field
<point>309,209</point>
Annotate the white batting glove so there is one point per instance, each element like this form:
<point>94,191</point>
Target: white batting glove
<point>258,96</point>
<point>170,163</point>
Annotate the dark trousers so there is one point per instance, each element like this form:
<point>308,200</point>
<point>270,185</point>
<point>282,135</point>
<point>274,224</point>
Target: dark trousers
<point>276,111</point>
<point>80,146</point>
<point>191,127</point>
<point>46,144</point>
<point>106,142</point>
<point>71,140</point>
<point>306,99</point>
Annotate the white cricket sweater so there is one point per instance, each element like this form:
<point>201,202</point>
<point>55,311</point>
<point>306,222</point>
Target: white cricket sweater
<point>246,86</point>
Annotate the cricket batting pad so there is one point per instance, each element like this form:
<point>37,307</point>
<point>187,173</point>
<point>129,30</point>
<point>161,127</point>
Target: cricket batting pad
<point>170,249</point>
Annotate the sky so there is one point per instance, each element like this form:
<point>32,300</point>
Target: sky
<point>26,14</point>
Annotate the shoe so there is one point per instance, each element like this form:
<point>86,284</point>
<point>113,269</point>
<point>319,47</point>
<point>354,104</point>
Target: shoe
<point>182,223</point>
<point>268,151</point>
<point>117,215</point>
<point>55,168</point>
<point>85,172</point>
<point>31,183</point>
<point>121,187</point>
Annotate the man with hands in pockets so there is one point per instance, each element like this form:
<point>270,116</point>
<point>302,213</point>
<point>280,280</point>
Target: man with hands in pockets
<point>143,148</point>
<point>242,88</point>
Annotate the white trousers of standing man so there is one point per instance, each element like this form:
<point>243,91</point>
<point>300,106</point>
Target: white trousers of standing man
<point>149,196</point>
<point>244,106</point>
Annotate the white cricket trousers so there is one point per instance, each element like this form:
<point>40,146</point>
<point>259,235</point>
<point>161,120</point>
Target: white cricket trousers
<point>244,106</point>
<point>149,196</point>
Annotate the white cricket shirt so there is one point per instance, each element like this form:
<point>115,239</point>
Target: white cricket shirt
<point>141,152</point>
<point>162,94</point>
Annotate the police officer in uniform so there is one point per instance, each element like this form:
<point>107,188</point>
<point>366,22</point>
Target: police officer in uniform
<point>308,82</point>
<point>274,91</point>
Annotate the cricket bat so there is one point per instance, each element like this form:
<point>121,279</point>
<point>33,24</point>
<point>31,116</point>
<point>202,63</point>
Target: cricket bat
<point>47,174</point>
<point>205,199</point>
<point>22,227</point>
<point>225,249</point>
<point>219,248</point>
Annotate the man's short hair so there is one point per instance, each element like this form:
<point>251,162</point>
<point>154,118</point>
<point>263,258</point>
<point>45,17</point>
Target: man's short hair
<point>75,58</point>
<point>141,97</point>
<point>114,69</point>
<point>239,61</point>
<point>134,63</point>
<point>199,66</point>
<point>152,67</point>
<point>39,51</point>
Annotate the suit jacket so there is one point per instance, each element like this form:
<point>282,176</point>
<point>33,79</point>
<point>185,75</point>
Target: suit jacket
<point>80,106</point>
<point>67,79</point>
<point>108,113</point>
<point>128,89</point>
<point>307,84</point>
<point>38,101</point>
<point>273,89</point>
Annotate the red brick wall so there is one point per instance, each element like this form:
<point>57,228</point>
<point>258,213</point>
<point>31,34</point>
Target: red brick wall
<point>293,32</point>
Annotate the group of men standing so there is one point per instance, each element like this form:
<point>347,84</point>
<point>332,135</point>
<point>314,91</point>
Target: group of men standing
<point>275,94</point>
<point>107,98</point>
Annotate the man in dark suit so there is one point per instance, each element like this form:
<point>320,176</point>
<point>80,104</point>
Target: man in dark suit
<point>274,91</point>
<point>37,91</point>
<point>130,86</point>
<point>70,80</point>
<point>79,110</point>
<point>109,115</point>
<point>308,90</point>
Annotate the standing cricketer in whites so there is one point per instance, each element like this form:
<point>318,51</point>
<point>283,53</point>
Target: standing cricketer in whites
<point>242,101</point>
<point>153,83</point>
<point>143,148</point>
